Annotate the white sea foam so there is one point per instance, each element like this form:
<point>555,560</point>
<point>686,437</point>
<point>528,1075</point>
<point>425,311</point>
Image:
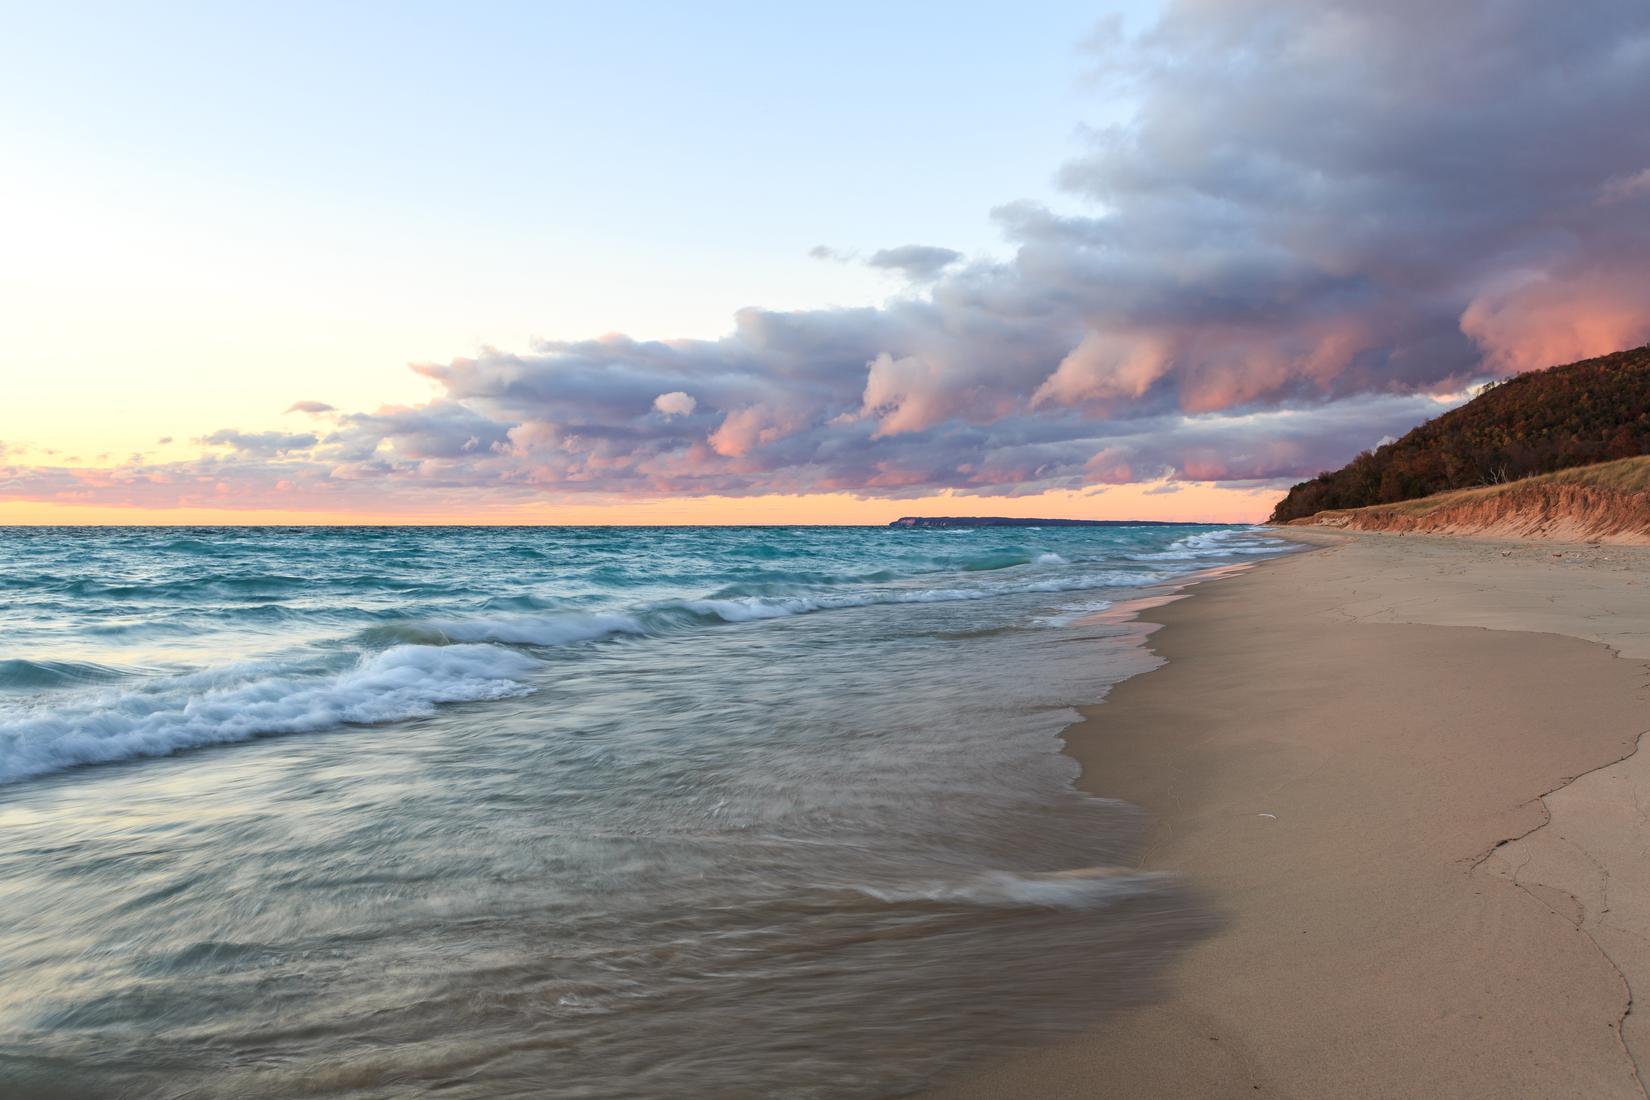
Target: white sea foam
<point>175,713</point>
<point>1086,888</point>
<point>1215,544</point>
<point>745,609</point>
<point>751,608</point>
<point>563,628</point>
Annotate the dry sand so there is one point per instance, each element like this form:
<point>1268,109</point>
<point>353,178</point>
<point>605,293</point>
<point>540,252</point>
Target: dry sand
<point>1429,838</point>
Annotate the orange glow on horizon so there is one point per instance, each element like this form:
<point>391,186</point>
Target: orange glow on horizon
<point>1192,501</point>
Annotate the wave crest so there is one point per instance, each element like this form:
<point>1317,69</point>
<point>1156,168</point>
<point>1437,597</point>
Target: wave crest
<point>167,715</point>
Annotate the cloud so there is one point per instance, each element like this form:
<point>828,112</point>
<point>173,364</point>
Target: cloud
<point>1626,188</point>
<point>918,262</point>
<point>1377,171</point>
<point>259,443</point>
<point>1545,319</point>
<point>1321,222</point>
<point>675,403</point>
<point>313,408</point>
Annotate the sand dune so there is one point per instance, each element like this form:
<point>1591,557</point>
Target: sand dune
<point>1607,503</point>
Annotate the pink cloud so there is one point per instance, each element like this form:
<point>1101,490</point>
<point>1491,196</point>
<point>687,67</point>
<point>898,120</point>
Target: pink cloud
<point>1107,368</point>
<point>1541,320</point>
<point>743,430</point>
<point>675,403</point>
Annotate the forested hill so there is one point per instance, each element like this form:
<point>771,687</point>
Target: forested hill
<point>1534,423</point>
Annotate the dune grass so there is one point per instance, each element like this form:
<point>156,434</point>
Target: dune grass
<point>1626,475</point>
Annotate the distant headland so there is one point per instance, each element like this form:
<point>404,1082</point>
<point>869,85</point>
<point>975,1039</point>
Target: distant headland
<point>1011,521</point>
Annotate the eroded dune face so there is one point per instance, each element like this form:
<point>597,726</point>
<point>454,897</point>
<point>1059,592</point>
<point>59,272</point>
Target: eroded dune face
<point>1567,513</point>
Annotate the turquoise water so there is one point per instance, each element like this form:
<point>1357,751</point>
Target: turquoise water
<point>576,812</point>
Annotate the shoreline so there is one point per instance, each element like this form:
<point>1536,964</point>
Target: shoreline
<point>1357,753</point>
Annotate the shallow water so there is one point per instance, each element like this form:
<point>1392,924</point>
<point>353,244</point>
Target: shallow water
<point>572,812</point>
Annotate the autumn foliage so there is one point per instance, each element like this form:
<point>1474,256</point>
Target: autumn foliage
<point>1533,423</point>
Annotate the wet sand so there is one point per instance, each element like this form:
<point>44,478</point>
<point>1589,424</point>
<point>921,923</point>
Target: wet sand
<point>1404,769</point>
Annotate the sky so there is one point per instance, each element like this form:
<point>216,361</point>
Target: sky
<point>724,262</point>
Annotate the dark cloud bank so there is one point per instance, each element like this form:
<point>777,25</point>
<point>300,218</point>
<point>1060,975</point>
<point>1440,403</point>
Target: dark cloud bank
<point>1321,214</point>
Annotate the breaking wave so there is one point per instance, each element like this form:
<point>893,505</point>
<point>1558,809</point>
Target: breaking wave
<point>174,713</point>
<point>1215,544</point>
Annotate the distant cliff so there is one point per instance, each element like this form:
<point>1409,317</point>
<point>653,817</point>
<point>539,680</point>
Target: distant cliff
<point>1534,423</point>
<point>1010,521</point>
<point>1607,502</point>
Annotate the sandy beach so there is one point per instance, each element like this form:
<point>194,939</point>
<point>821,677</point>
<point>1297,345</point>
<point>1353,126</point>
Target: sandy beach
<point>1404,769</point>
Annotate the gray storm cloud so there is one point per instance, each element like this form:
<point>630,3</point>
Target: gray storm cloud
<point>1317,215</point>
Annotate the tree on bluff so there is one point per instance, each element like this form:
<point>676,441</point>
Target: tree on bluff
<point>1592,411</point>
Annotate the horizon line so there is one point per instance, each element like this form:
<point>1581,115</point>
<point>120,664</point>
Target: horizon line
<point>1021,522</point>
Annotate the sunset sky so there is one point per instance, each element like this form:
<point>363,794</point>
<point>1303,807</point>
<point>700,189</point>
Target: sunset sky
<point>738,262</point>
